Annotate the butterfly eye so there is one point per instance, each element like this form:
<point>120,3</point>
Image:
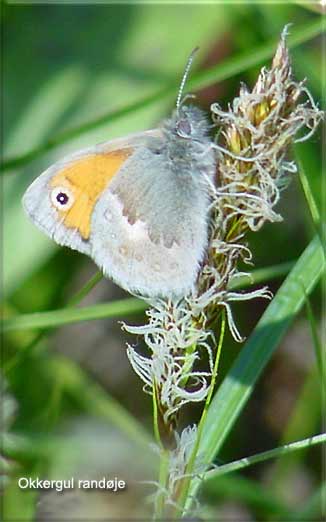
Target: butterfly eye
<point>62,198</point>
<point>183,128</point>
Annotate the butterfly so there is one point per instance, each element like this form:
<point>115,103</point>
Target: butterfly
<point>138,206</point>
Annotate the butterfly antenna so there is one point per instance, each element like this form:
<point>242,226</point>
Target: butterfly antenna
<point>185,75</point>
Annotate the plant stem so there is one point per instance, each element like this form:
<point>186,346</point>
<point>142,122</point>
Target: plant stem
<point>155,419</point>
<point>163,478</point>
<point>265,455</point>
<point>182,496</point>
<point>85,290</point>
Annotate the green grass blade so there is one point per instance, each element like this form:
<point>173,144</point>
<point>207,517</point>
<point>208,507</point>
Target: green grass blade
<point>315,215</point>
<point>227,69</point>
<point>316,344</point>
<point>254,57</point>
<point>30,346</point>
<point>308,193</point>
<point>265,455</point>
<point>238,385</point>
<point>85,290</point>
<point>68,315</point>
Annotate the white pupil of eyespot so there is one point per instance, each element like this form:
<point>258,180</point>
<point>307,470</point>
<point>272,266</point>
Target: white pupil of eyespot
<point>62,198</point>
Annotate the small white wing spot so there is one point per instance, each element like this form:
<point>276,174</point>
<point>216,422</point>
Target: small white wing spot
<point>108,215</point>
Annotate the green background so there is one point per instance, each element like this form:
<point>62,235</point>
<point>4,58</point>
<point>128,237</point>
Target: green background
<point>65,66</point>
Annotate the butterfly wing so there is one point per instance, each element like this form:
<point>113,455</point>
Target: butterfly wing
<point>122,203</point>
<point>150,227</point>
<point>82,176</point>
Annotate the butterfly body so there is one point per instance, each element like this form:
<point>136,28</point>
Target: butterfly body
<point>139,206</point>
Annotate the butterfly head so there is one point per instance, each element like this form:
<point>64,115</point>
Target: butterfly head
<point>190,123</point>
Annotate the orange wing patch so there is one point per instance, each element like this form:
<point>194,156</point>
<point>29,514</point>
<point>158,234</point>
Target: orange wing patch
<point>87,178</point>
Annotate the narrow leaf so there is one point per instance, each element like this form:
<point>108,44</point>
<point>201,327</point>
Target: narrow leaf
<point>85,290</point>
<point>239,383</point>
<point>74,315</point>
<point>265,455</point>
<point>130,306</point>
<point>316,343</point>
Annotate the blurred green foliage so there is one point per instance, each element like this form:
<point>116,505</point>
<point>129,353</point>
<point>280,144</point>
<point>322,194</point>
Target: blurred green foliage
<point>65,66</point>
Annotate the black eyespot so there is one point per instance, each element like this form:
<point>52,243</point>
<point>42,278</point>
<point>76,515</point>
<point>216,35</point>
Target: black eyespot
<point>62,198</point>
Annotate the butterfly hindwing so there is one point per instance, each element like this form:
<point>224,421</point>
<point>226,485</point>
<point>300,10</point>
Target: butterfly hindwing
<point>150,226</point>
